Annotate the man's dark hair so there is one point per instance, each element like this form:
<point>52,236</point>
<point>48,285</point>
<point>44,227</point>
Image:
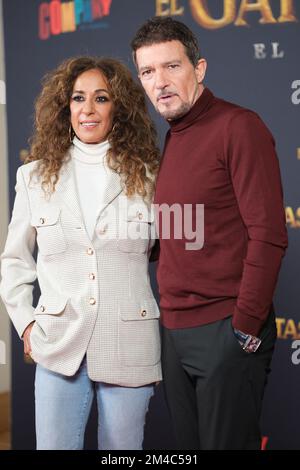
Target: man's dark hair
<point>163,29</point>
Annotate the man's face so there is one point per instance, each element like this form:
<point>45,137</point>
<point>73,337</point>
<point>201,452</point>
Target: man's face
<point>170,80</point>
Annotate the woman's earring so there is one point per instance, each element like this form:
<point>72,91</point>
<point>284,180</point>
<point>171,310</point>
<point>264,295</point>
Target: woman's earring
<point>71,133</point>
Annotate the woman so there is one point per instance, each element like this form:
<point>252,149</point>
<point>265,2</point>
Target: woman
<point>84,196</point>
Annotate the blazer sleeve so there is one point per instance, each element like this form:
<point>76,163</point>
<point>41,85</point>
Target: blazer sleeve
<point>18,267</point>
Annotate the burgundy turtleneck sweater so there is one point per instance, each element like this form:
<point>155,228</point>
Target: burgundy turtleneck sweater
<point>222,156</point>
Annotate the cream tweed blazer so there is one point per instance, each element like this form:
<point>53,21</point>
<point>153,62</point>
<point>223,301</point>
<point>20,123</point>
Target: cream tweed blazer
<point>96,297</point>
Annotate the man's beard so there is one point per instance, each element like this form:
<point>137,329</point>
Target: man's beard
<point>170,114</point>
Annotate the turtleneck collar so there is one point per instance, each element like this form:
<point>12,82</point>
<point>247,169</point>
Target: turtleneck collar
<point>89,153</point>
<point>200,107</point>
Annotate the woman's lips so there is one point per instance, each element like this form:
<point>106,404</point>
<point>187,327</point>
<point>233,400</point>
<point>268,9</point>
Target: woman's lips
<point>89,125</point>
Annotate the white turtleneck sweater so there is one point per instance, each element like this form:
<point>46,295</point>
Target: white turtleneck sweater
<point>91,177</point>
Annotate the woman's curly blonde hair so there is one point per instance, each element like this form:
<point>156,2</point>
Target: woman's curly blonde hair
<point>133,152</point>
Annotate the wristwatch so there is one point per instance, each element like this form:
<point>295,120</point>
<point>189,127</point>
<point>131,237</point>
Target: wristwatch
<point>249,343</point>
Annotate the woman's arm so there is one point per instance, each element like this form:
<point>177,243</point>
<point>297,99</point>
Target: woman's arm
<point>18,267</point>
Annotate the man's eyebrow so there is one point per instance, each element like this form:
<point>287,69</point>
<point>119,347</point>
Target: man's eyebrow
<point>145,67</point>
<point>169,62</point>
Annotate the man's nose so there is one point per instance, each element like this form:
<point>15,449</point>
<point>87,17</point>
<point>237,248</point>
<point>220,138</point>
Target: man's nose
<point>161,79</point>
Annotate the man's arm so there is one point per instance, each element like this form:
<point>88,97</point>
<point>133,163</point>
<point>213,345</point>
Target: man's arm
<point>255,174</point>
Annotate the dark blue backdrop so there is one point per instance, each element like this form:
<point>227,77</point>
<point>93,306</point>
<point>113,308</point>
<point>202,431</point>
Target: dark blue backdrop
<point>254,64</point>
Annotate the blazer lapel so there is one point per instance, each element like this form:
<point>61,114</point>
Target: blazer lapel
<point>113,189</point>
<point>67,192</point>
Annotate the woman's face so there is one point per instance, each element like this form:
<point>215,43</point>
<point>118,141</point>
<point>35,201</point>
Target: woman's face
<point>91,107</point>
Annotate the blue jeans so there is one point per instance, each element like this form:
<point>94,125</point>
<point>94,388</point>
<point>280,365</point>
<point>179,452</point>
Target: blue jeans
<point>63,404</point>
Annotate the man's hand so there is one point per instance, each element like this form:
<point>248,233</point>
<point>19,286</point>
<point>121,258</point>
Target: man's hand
<point>26,338</point>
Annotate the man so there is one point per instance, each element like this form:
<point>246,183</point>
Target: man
<point>216,302</point>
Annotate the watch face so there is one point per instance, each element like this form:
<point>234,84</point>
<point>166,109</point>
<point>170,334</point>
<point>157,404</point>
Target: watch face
<point>252,344</point>
<point>248,342</point>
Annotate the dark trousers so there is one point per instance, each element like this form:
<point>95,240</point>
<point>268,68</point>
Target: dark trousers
<point>214,389</point>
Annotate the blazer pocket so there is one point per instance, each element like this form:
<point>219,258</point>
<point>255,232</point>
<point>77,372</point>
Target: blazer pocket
<point>48,313</point>
<point>135,232</point>
<point>50,236</point>
<point>139,335</point>
<point>50,305</point>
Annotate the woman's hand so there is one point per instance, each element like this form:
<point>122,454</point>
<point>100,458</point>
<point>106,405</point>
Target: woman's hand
<point>26,338</point>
